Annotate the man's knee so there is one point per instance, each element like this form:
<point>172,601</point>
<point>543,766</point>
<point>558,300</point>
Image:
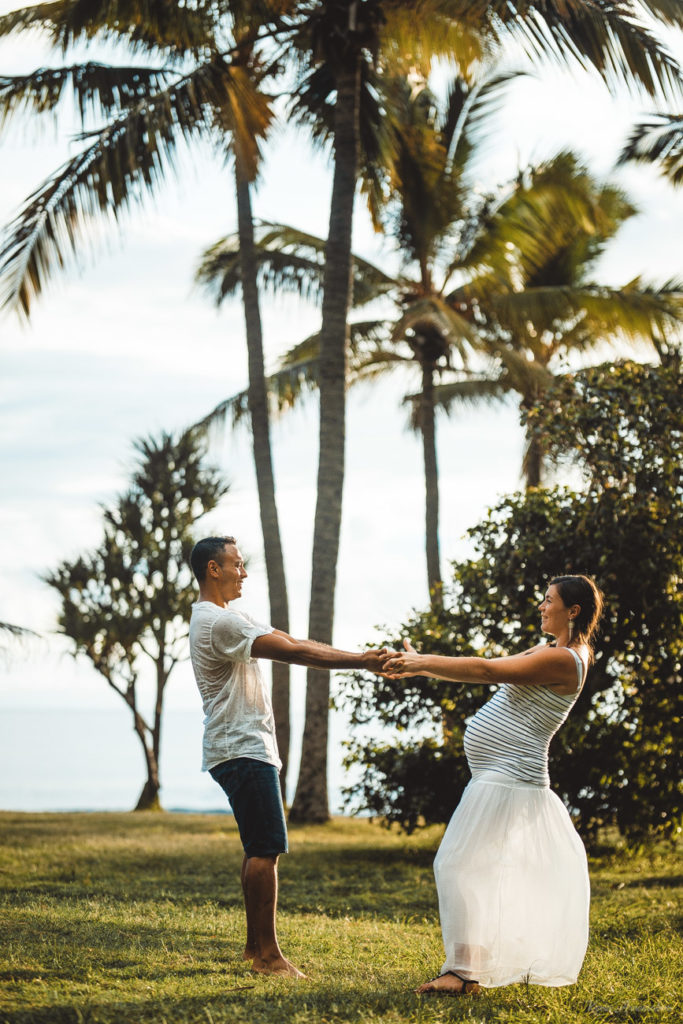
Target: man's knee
<point>260,862</point>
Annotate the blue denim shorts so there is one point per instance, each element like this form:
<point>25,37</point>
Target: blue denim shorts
<point>253,789</point>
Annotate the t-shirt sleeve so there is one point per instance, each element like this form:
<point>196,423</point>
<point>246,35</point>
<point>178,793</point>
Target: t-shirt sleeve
<point>232,636</point>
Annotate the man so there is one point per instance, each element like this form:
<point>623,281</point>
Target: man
<point>240,749</point>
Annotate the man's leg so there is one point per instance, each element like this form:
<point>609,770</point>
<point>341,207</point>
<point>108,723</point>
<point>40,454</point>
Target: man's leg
<point>260,878</point>
<point>253,789</point>
<point>250,947</point>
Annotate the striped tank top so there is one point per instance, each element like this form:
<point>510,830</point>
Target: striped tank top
<point>511,733</point>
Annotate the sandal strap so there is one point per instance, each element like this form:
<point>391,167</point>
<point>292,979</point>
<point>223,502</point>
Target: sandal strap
<point>465,981</point>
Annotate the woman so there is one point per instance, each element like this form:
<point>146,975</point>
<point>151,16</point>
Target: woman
<point>511,871</point>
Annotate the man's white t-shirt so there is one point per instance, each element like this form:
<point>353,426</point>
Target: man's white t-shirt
<point>237,706</point>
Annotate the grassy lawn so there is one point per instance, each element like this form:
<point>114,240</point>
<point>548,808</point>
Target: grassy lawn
<point>138,918</point>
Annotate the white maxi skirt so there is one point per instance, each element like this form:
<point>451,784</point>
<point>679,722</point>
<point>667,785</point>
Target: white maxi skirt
<point>512,879</point>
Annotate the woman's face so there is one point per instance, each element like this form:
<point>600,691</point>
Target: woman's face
<point>554,612</point>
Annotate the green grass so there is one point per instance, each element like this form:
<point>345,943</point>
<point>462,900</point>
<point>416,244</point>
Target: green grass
<point>138,918</point>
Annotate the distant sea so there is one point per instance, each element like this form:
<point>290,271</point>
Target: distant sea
<point>91,760</point>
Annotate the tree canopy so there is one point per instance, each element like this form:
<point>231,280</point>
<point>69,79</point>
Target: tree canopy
<point>615,760</point>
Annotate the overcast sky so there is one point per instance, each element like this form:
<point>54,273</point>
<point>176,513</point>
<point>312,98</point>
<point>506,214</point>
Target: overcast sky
<point>125,346</point>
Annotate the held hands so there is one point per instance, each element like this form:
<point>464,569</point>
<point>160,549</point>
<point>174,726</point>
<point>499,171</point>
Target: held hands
<point>374,659</point>
<point>397,663</point>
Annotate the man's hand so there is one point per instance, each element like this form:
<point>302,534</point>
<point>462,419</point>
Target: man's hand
<point>374,659</point>
<point>396,664</point>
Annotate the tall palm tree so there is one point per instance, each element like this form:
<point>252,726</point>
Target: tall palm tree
<point>528,302</point>
<point>428,215</point>
<point>148,109</point>
<point>341,43</point>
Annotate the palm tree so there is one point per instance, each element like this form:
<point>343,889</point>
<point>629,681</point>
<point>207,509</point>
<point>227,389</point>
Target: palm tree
<point>547,308</point>
<point>428,213</point>
<point>149,109</point>
<point>528,301</point>
<point>659,141</point>
<point>341,43</point>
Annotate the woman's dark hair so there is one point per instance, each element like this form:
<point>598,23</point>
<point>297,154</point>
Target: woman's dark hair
<point>207,550</point>
<point>581,590</point>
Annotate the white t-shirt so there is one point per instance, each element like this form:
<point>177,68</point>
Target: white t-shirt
<point>239,715</point>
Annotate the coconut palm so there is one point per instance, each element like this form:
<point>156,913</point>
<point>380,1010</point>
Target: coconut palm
<point>548,310</point>
<point>526,260</point>
<point>428,215</point>
<point>207,83</point>
<point>659,141</point>
<point>341,44</point>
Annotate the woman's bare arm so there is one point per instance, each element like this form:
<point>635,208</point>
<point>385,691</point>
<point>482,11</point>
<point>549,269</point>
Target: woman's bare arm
<point>541,666</point>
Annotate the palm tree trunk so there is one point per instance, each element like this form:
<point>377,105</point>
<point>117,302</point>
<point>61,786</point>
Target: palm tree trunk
<point>428,431</point>
<point>533,463</point>
<point>311,799</point>
<point>260,429</point>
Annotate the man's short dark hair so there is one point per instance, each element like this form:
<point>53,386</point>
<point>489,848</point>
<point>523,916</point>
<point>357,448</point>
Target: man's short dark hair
<point>207,550</point>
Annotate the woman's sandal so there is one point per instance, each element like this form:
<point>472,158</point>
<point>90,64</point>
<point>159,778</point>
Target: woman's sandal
<point>469,987</point>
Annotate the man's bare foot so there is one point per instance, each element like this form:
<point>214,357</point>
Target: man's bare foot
<point>248,954</point>
<point>280,966</point>
<point>449,984</point>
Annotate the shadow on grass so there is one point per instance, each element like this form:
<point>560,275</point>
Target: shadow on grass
<point>262,1002</point>
<point>654,882</point>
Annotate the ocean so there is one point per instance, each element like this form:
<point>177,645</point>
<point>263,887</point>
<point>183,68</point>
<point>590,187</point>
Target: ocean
<point>78,759</point>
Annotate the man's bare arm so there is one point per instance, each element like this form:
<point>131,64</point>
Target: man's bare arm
<point>279,646</point>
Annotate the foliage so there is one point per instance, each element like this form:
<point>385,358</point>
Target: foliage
<point>120,919</point>
<point>658,141</point>
<point>615,760</point>
<point>128,601</point>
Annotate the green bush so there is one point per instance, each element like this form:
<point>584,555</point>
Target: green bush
<point>616,760</point>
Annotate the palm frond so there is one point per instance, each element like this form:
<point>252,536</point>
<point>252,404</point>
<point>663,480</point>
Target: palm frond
<point>470,391</point>
<point>235,408</point>
<point>288,260</point>
<point>469,113</point>
<point>122,161</point>
<point>436,314</point>
<point>669,12</point>
<point>366,335</point>
<point>97,88</point>
<point>220,274</point>
<point>658,140</point>
<point>175,28</point>
<point>549,227</point>
<point>377,364</point>
<point>632,313</point>
<point>413,34</point>
<point>520,371</point>
<point>289,384</point>
<point>610,38</point>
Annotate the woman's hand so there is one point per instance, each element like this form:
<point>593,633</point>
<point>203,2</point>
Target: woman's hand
<point>398,664</point>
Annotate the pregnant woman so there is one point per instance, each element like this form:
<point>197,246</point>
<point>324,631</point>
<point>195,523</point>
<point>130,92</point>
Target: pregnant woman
<point>511,870</point>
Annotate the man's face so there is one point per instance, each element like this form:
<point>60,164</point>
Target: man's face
<point>229,572</point>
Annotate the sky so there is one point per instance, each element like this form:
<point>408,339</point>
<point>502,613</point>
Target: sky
<point>124,345</point>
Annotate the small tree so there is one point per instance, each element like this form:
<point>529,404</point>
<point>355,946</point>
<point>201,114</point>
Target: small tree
<point>128,601</point>
<point>615,761</point>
